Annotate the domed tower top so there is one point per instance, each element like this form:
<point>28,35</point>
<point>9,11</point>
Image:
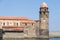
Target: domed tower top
<point>44,4</point>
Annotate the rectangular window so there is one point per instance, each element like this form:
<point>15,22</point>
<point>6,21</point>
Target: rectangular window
<point>25,24</point>
<point>7,23</point>
<point>17,24</point>
<point>32,23</point>
<point>3,24</point>
<point>0,23</point>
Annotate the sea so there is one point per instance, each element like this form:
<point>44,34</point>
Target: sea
<point>31,39</point>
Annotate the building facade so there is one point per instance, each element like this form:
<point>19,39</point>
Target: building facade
<point>14,23</point>
<point>30,28</point>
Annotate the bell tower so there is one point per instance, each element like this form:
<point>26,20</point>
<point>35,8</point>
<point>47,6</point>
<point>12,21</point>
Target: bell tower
<point>44,21</point>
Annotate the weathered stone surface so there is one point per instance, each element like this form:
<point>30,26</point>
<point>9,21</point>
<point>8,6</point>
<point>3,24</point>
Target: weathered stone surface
<point>43,26</point>
<point>29,31</point>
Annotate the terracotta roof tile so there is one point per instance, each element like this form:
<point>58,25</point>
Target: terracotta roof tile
<point>12,18</point>
<point>16,18</point>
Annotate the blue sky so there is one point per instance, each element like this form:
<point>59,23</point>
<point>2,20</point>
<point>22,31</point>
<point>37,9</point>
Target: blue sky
<point>30,9</point>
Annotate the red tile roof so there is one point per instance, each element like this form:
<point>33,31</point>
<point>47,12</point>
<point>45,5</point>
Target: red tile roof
<point>12,18</point>
<point>16,18</point>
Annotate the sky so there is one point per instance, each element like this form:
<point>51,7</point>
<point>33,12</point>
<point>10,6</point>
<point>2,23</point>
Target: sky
<point>30,9</point>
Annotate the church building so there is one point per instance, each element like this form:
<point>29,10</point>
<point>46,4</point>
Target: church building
<point>30,28</point>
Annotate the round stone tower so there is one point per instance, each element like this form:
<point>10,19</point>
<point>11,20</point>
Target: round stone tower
<point>44,23</point>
